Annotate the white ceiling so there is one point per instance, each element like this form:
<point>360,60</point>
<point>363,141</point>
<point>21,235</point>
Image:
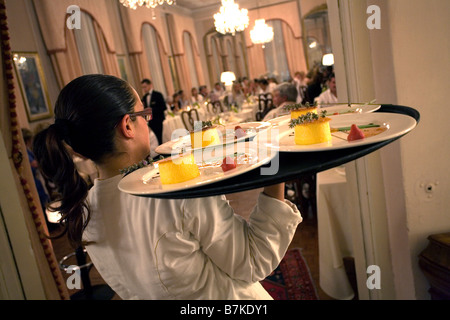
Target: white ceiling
<point>197,4</point>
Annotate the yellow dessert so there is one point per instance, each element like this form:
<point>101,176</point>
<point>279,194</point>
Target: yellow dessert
<point>311,128</point>
<point>205,137</point>
<point>178,169</point>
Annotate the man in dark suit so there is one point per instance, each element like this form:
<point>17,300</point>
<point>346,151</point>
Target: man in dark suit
<point>154,100</point>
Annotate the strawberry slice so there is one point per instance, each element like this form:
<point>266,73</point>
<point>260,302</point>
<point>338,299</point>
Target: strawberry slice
<point>228,163</point>
<point>355,133</point>
<point>238,132</point>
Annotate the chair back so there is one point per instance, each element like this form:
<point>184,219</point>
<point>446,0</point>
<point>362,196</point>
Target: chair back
<point>265,104</point>
<point>214,107</point>
<point>189,118</point>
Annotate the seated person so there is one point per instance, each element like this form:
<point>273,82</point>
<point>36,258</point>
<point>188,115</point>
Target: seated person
<point>284,94</point>
<point>329,96</point>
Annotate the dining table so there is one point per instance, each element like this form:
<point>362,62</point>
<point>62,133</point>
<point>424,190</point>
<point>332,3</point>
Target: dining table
<point>173,121</point>
<point>248,110</point>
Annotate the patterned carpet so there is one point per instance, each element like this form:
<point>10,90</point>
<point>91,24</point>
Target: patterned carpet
<point>291,280</point>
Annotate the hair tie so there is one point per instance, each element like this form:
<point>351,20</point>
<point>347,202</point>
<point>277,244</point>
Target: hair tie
<point>62,128</point>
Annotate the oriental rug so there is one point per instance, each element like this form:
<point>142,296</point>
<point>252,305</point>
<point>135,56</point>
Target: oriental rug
<point>291,280</point>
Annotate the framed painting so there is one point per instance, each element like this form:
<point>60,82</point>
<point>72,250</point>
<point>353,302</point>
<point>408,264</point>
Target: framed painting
<point>123,67</point>
<point>32,84</point>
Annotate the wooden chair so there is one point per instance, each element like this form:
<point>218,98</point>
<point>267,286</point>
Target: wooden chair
<point>189,118</point>
<point>214,107</point>
<point>265,104</point>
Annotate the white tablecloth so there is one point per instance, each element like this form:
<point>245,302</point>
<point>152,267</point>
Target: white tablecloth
<point>248,111</point>
<point>171,123</point>
<point>334,233</point>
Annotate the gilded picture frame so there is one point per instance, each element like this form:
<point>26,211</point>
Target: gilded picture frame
<point>33,86</point>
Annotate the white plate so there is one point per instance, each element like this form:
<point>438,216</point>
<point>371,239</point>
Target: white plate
<point>134,182</point>
<point>395,124</point>
<point>331,110</point>
<point>251,130</point>
<point>343,108</point>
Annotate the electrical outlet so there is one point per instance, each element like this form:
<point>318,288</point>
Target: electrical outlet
<point>427,190</point>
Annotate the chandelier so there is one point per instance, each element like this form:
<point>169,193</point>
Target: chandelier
<point>261,33</point>
<point>133,4</point>
<point>230,19</point>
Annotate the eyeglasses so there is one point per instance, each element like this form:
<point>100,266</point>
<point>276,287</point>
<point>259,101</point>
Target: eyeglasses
<point>146,114</point>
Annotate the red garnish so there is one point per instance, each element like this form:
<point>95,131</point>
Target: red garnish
<point>228,163</point>
<point>238,132</point>
<point>336,113</point>
<point>355,133</point>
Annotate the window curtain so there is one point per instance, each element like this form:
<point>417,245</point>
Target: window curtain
<point>276,61</point>
<point>294,49</point>
<point>190,60</point>
<point>231,57</point>
<point>107,56</point>
<point>216,56</point>
<point>87,46</point>
<point>152,53</point>
<point>256,61</point>
<point>95,56</point>
<point>240,60</point>
<point>66,63</point>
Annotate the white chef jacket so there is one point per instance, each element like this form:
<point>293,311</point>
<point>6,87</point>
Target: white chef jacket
<point>147,248</point>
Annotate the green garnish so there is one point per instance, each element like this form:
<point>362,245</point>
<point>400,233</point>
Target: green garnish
<point>298,106</point>
<point>307,118</point>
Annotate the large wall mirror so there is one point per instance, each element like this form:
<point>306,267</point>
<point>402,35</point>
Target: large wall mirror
<point>317,35</point>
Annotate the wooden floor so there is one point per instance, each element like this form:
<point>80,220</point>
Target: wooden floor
<point>305,238</point>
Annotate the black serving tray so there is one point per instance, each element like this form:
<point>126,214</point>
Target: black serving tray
<point>291,165</point>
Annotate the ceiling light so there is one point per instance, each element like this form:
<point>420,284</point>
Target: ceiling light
<point>230,19</point>
<point>133,4</point>
<point>261,33</point>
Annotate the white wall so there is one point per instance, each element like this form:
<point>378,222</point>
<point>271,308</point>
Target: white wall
<point>421,68</point>
<point>405,63</point>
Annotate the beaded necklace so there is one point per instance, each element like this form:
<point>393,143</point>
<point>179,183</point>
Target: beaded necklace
<point>134,167</point>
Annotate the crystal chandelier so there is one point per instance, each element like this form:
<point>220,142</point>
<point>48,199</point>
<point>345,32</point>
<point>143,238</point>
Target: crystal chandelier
<point>261,33</point>
<point>230,19</point>
<point>133,4</point>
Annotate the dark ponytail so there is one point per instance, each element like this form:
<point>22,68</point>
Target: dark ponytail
<point>57,165</point>
<point>86,113</point>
